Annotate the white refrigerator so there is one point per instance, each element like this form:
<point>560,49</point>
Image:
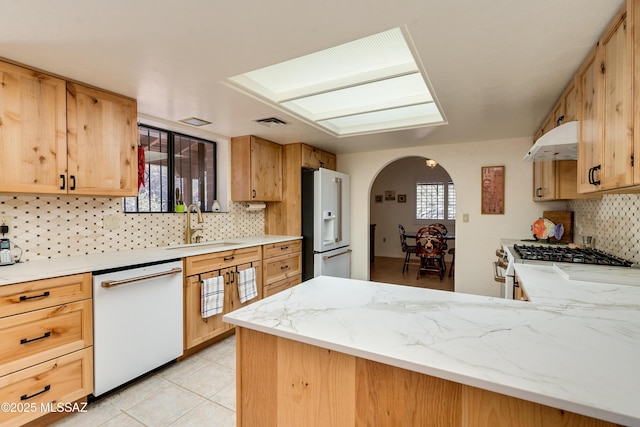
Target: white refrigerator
<point>325,224</point>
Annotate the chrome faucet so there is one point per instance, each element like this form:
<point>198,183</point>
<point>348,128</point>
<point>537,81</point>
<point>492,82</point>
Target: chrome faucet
<point>191,231</point>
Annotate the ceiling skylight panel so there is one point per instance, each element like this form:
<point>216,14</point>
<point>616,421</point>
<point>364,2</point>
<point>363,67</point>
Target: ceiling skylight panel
<point>388,93</point>
<point>362,86</point>
<point>405,117</point>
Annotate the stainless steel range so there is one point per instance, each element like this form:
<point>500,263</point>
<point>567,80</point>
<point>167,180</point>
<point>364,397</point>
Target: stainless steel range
<point>524,253</point>
<point>514,253</point>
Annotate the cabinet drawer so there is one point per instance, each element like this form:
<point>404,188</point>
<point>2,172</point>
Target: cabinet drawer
<point>282,248</point>
<point>28,296</point>
<point>282,267</point>
<point>41,335</point>
<point>215,261</point>
<point>58,381</point>
<point>281,285</point>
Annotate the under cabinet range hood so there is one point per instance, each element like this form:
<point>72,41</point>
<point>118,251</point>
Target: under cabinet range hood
<point>560,143</point>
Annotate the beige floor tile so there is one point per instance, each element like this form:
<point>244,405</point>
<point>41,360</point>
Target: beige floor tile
<point>207,414</point>
<point>165,407</point>
<point>184,367</point>
<point>226,397</point>
<point>223,353</point>
<point>208,380</point>
<point>97,413</point>
<point>122,420</point>
<point>137,392</point>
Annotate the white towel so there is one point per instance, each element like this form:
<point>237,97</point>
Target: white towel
<point>212,296</point>
<point>247,288</point>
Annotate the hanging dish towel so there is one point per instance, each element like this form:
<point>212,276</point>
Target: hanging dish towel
<point>212,296</point>
<point>247,288</point>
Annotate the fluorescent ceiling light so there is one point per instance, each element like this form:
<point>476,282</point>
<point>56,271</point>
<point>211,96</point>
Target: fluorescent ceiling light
<point>368,85</point>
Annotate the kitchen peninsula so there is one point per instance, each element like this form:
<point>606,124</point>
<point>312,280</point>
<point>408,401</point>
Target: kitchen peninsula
<point>347,352</point>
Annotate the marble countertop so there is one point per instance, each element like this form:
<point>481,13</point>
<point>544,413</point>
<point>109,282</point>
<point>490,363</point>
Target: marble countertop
<point>43,269</point>
<point>575,346</point>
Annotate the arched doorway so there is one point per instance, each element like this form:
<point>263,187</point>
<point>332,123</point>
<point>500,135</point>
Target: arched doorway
<point>407,191</point>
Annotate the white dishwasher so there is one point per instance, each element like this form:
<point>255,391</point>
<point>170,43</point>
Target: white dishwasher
<point>137,321</point>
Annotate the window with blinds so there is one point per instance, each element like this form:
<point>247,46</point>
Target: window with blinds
<point>435,200</point>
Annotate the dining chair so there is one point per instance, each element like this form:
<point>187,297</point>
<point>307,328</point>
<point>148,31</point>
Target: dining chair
<point>443,230</point>
<point>408,249</point>
<point>430,248</point>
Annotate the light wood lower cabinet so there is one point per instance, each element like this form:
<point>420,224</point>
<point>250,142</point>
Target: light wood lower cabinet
<point>227,264</point>
<point>282,266</point>
<point>284,383</point>
<point>39,389</point>
<point>46,353</point>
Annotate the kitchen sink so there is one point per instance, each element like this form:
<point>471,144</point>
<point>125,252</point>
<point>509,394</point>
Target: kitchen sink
<point>203,245</point>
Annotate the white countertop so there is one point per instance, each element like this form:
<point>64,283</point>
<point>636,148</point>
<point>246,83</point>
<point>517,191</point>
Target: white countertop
<point>43,269</point>
<point>575,346</point>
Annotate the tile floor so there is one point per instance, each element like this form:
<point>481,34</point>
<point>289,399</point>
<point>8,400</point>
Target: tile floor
<point>198,391</point>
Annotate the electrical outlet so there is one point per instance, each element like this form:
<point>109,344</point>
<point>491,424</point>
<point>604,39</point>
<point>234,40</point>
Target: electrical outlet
<point>465,217</point>
<point>6,220</point>
<point>110,222</point>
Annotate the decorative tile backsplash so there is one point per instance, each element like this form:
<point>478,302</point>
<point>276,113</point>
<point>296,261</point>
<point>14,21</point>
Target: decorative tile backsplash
<point>59,226</point>
<point>614,223</point>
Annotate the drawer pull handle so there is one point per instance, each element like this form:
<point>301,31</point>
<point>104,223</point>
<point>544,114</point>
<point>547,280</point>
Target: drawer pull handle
<point>284,267</point>
<point>46,335</point>
<point>229,258</point>
<point>284,248</point>
<point>24,297</point>
<point>27,396</point>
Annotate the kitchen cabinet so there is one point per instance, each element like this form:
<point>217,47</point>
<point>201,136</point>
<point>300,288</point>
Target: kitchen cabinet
<point>605,83</point>
<point>200,267</point>
<point>557,179</point>
<point>33,141</point>
<point>46,353</point>
<point>65,138</point>
<point>284,218</point>
<point>256,169</point>
<point>282,266</point>
<point>315,158</point>
<point>102,142</point>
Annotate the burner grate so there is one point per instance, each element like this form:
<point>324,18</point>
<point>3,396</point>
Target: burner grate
<point>569,255</point>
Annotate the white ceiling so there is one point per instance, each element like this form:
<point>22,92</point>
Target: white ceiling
<point>497,66</point>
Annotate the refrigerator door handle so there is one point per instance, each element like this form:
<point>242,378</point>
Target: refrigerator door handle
<point>326,257</point>
<point>339,237</point>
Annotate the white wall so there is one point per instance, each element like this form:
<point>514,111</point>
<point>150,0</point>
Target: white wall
<point>401,176</point>
<point>477,240</point>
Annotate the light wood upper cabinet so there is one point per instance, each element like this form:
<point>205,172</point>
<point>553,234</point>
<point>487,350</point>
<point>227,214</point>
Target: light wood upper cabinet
<point>256,169</point>
<point>315,158</point>
<point>544,172</point>
<point>570,102</point>
<point>59,137</point>
<point>33,128</point>
<point>606,98</point>
<point>102,142</point>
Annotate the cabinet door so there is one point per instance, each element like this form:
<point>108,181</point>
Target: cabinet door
<point>233,302</point>
<point>544,171</point>
<point>615,48</point>
<point>266,170</point>
<point>570,101</point>
<point>328,160</point>
<point>310,157</point>
<point>196,329</point>
<point>544,180</point>
<point>33,140</point>
<point>590,134</point>
<point>102,142</point>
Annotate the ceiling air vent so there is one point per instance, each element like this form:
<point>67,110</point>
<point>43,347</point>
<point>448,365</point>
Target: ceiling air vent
<point>271,122</point>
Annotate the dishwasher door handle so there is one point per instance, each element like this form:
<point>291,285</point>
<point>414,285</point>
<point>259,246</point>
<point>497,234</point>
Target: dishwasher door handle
<point>113,283</point>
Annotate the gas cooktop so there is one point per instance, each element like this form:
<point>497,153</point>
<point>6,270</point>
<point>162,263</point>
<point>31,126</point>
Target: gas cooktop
<point>570,255</point>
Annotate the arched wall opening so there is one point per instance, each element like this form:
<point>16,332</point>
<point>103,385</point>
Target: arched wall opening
<point>397,196</point>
